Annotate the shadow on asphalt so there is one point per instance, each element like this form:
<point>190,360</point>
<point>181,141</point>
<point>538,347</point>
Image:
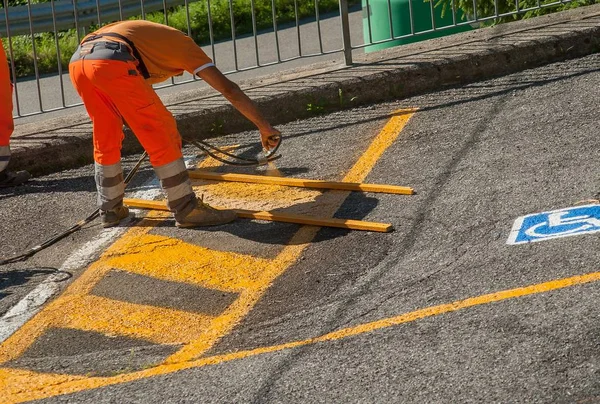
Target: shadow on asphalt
<point>356,206</point>
<point>19,277</point>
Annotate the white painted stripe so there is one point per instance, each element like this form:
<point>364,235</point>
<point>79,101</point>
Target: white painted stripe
<point>19,314</point>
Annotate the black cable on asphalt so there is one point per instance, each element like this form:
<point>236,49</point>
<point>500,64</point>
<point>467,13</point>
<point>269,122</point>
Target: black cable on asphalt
<point>71,230</point>
<point>209,149</point>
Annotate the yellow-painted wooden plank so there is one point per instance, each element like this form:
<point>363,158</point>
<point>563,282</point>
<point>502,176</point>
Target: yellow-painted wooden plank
<point>112,317</point>
<point>300,182</point>
<point>280,217</point>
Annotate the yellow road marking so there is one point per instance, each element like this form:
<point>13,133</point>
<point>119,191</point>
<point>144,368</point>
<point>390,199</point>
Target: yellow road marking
<point>155,324</point>
<point>175,260</point>
<point>72,384</point>
<point>18,342</point>
<point>328,203</point>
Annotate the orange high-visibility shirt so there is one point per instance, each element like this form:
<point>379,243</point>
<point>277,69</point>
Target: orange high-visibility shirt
<point>166,51</point>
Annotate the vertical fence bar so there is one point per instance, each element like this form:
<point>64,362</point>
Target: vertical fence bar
<point>475,10</point>
<point>166,18</point>
<point>232,19</point>
<point>98,12</point>
<point>165,12</point>
<point>76,17</point>
<point>211,34</point>
<point>390,17</point>
<point>298,27</point>
<point>346,32</point>
<point>369,21</point>
<point>120,10</point>
<point>317,17</point>
<point>274,11</point>
<point>254,31</point>
<point>453,4</point>
<point>11,54</point>
<point>142,9</point>
<point>35,58</point>
<point>432,15</point>
<point>58,55</point>
<point>412,16</point>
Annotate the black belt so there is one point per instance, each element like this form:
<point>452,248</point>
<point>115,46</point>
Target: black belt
<point>136,54</point>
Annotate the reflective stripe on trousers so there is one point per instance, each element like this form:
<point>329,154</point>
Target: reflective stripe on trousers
<point>113,92</point>
<point>110,185</point>
<point>175,181</point>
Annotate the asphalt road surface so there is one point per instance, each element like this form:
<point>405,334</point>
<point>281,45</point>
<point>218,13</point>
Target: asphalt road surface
<point>452,306</point>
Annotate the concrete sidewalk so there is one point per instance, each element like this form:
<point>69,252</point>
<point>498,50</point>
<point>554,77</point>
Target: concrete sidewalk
<point>390,74</point>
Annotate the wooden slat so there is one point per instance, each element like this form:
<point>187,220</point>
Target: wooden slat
<point>279,217</point>
<point>300,182</point>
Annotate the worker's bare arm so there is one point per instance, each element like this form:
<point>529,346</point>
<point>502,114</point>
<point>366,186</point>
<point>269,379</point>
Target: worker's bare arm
<point>241,102</point>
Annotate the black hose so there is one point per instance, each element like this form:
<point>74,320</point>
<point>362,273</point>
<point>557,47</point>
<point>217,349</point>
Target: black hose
<point>213,152</point>
<point>34,250</point>
<point>204,146</point>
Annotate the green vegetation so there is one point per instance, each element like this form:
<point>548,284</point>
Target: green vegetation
<point>45,43</point>
<point>487,8</point>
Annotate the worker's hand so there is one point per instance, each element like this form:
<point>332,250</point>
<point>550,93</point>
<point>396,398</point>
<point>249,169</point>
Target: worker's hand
<point>270,138</point>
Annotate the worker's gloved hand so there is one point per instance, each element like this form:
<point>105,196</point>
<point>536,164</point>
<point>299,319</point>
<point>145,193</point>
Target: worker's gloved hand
<point>270,138</point>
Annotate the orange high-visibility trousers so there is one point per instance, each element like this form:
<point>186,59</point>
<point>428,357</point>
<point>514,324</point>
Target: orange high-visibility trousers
<point>113,91</point>
<point>6,104</point>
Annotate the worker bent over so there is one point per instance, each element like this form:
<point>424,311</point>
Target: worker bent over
<point>7,178</point>
<point>113,71</point>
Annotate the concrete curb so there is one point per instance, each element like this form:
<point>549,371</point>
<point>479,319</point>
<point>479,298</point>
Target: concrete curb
<point>391,74</point>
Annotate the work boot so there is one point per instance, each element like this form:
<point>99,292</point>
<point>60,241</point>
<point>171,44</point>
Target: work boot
<point>113,217</point>
<point>206,215</point>
<point>13,178</point>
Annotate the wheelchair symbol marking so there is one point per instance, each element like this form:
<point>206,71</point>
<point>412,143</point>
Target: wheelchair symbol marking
<point>560,223</point>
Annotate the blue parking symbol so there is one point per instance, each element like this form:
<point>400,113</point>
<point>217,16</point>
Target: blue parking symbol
<point>558,223</point>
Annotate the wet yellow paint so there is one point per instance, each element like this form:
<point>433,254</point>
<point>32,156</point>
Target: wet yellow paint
<point>18,390</point>
<point>112,317</point>
<point>143,322</point>
<point>177,261</point>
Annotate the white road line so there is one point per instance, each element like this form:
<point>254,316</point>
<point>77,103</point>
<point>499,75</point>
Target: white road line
<point>19,314</point>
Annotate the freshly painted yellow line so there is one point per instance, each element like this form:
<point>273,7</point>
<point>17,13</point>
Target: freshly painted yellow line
<point>154,324</point>
<point>386,137</point>
<point>279,217</point>
<point>177,261</point>
<point>301,182</point>
<point>329,203</point>
<point>52,314</point>
<point>64,384</point>
<point>17,343</point>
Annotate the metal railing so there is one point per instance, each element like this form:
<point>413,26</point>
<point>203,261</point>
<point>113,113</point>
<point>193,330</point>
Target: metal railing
<point>382,23</point>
